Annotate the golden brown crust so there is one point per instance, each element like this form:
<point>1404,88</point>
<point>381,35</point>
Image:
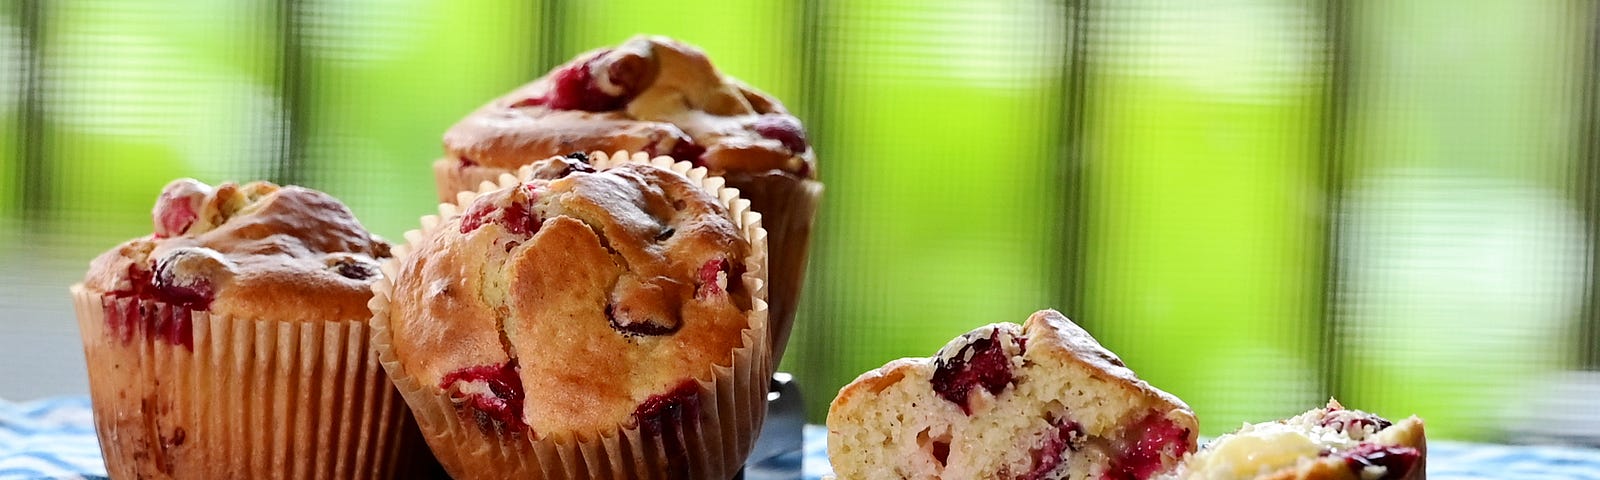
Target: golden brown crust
<point>249,251</point>
<point>504,137</point>
<point>1051,331</point>
<point>605,256</point>
<point>877,379</point>
<point>673,96</point>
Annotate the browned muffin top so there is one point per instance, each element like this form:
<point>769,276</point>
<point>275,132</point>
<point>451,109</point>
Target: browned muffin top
<point>256,251</point>
<point>651,94</point>
<point>575,302</point>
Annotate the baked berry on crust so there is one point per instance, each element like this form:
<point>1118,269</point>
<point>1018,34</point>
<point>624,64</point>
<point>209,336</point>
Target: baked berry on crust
<point>1330,443</point>
<point>611,302</point>
<point>1038,401</point>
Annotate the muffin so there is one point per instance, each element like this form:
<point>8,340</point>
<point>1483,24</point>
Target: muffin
<point>1331,443</point>
<point>1038,401</point>
<point>598,318</point>
<point>661,97</point>
<point>232,342</point>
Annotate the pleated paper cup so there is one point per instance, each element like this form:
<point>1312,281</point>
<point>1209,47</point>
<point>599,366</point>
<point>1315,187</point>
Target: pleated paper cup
<point>711,445</point>
<point>180,393</point>
<point>451,177</point>
<point>788,206</point>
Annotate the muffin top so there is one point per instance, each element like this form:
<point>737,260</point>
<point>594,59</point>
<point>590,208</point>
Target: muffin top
<point>256,251</point>
<point>651,94</point>
<point>574,302</point>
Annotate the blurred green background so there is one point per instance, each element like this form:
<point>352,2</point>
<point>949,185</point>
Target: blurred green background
<point>1257,203</point>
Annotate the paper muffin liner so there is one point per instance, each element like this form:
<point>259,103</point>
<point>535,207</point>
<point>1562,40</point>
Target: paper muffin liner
<point>788,207</point>
<point>449,177</point>
<point>714,445</point>
<point>179,393</point>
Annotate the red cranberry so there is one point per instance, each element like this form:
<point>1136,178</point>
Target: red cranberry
<point>123,318</point>
<point>785,129</point>
<point>502,409</point>
<point>528,102</point>
<point>683,148</point>
<point>989,366</point>
<point>467,162</point>
<point>941,451</point>
<point>138,283</point>
<point>686,150</point>
<point>645,306</point>
<point>636,327</point>
<point>195,293</point>
<point>575,88</point>
<point>669,415</point>
<point>515,216</point>
<point>173,324</point>
<point>709,273</point>
<point>1066,434</point>
<point>175,208</point>
<point>1150,438</point>
<point>805,170</point>
<point>1397,461</point>
<point>353,269</point>
<point>669,410</point>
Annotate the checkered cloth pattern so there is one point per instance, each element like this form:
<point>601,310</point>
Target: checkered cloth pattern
<point>54,439</point>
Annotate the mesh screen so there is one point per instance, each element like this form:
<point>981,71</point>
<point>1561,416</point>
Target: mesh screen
<point>1257,203</point>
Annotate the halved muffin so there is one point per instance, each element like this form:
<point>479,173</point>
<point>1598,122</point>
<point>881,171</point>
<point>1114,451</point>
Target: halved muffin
<point>1042,400</point>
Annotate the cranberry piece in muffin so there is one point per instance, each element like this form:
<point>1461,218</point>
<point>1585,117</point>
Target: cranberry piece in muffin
<point>592,85</point>
<point>785,129</point>
<point>1386,461</point>
<point>1036,401</point>
<point>667,410</point>
<point>1068,437</point>
<point>981,361</point>
<point>493,393</point>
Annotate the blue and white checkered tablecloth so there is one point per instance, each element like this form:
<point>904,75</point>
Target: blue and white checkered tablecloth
<point>54,439</point>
